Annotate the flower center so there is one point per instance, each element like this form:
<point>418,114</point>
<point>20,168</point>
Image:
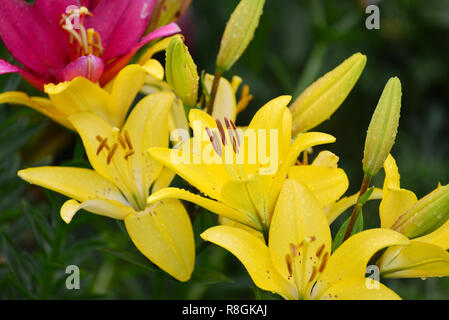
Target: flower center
<point>299,261</point>
<point>84,41</point>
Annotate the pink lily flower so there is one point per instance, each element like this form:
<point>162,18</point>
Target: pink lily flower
<point>58,40</point>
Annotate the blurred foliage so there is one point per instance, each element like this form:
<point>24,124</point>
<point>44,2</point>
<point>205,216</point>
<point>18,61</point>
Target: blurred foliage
<point>297,41</point>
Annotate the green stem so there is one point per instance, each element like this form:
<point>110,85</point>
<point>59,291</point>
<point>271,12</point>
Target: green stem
<point>213,94</point>
<point>355,212</point>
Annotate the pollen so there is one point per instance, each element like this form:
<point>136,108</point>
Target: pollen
<point>111,153</point>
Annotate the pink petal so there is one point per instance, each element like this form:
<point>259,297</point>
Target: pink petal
<point>53,9</point>
<point>6,67</point>
<point>30,38</point>
<point>161,32</point>
<point>113,68</point>
<point>120,23</point>
<point>90,67</point>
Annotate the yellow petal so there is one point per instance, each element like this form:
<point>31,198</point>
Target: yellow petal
<point>154,69</point>
<point>419,259</point>
<point>298,218</point>
<point>235,193</point>
<point>41,105</point>
<point>351,258</point>
<point>77,183</point>
<point>301,143</point>
<point>211,205</point>
<point>225,104</point>
<point>81,95</point>
<point>163,233</point>
<point>274,115</point>
<point>253,254</point>
<point>107,208</point>
<point>395,201</point>
<point>357,289</point>
<point>326,159</point>
<point>163,180</point>
<point>208,178</point>
<point>147,126</point>
<point>333,211</point>
<point>126,85</point>
<point>157,47</point>
<point>327,184</point>
<point>320,100</point>
<point>232,223</point>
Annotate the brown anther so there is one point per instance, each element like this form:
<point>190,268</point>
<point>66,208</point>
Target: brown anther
<point>129,154</point>
<point>99,138</point>
<point>216,144</point>
<point>293,249</point>
<point>320,250</point>
<point>128,140</point>
<point>288,260</point>
<point>122,142</point>
<point>323,262</point>
<point>111,153</point>
<point>312,276</point>
<point>221,131</point>
<point>102,145</point>
<point>234,145</point>
<point>236,132</point>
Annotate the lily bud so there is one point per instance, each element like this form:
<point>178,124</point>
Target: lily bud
<point>383,127</point>
<point>239,32</point>
<point>323,97</point>
<point>181,72</point>
<point>426,215</point>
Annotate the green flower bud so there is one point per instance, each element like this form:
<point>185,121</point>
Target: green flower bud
<point>181,72</point>
<point>383,127</point>
<point>426,215</point>
<point>239,32</point>
<point>323,97</point>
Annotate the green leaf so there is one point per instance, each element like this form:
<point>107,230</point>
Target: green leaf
<point>358,226</point>
<point>133,258</point>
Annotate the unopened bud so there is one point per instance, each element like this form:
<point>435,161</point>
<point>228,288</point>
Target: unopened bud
<point>239,32</point>
<point>383,127</point>
<point>426,215</point>
<point>323,97</point>
<point>181,72</point>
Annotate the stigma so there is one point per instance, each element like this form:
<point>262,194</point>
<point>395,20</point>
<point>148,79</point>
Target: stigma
<point>85,41</point>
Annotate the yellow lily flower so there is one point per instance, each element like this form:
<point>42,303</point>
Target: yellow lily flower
<point>119,184</point>
<point>426,256</point>
<point>297,263</point>
<point>243,189</point>
<point>82,95</point>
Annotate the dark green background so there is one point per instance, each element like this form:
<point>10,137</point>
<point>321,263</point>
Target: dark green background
<point>296,42</point>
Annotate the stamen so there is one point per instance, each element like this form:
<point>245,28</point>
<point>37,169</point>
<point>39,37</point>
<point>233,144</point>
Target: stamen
<point>213,142</point>
<point>128,140</point>
<point>312,276</point>
<point>288,260</point>
<point>129,154</point>
<point>320,251</point>
<point>111,153</point>
<point>221,131</point>
<point>217,145</point>
<point>102,145</point>
<point>236,132</point>
<point>122,142</point>
<point>323,262</point>
<point>293,249</point>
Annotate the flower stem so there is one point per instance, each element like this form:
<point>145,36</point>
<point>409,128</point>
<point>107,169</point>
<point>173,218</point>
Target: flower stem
<point>213,94</point>
<point>365,184</point>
